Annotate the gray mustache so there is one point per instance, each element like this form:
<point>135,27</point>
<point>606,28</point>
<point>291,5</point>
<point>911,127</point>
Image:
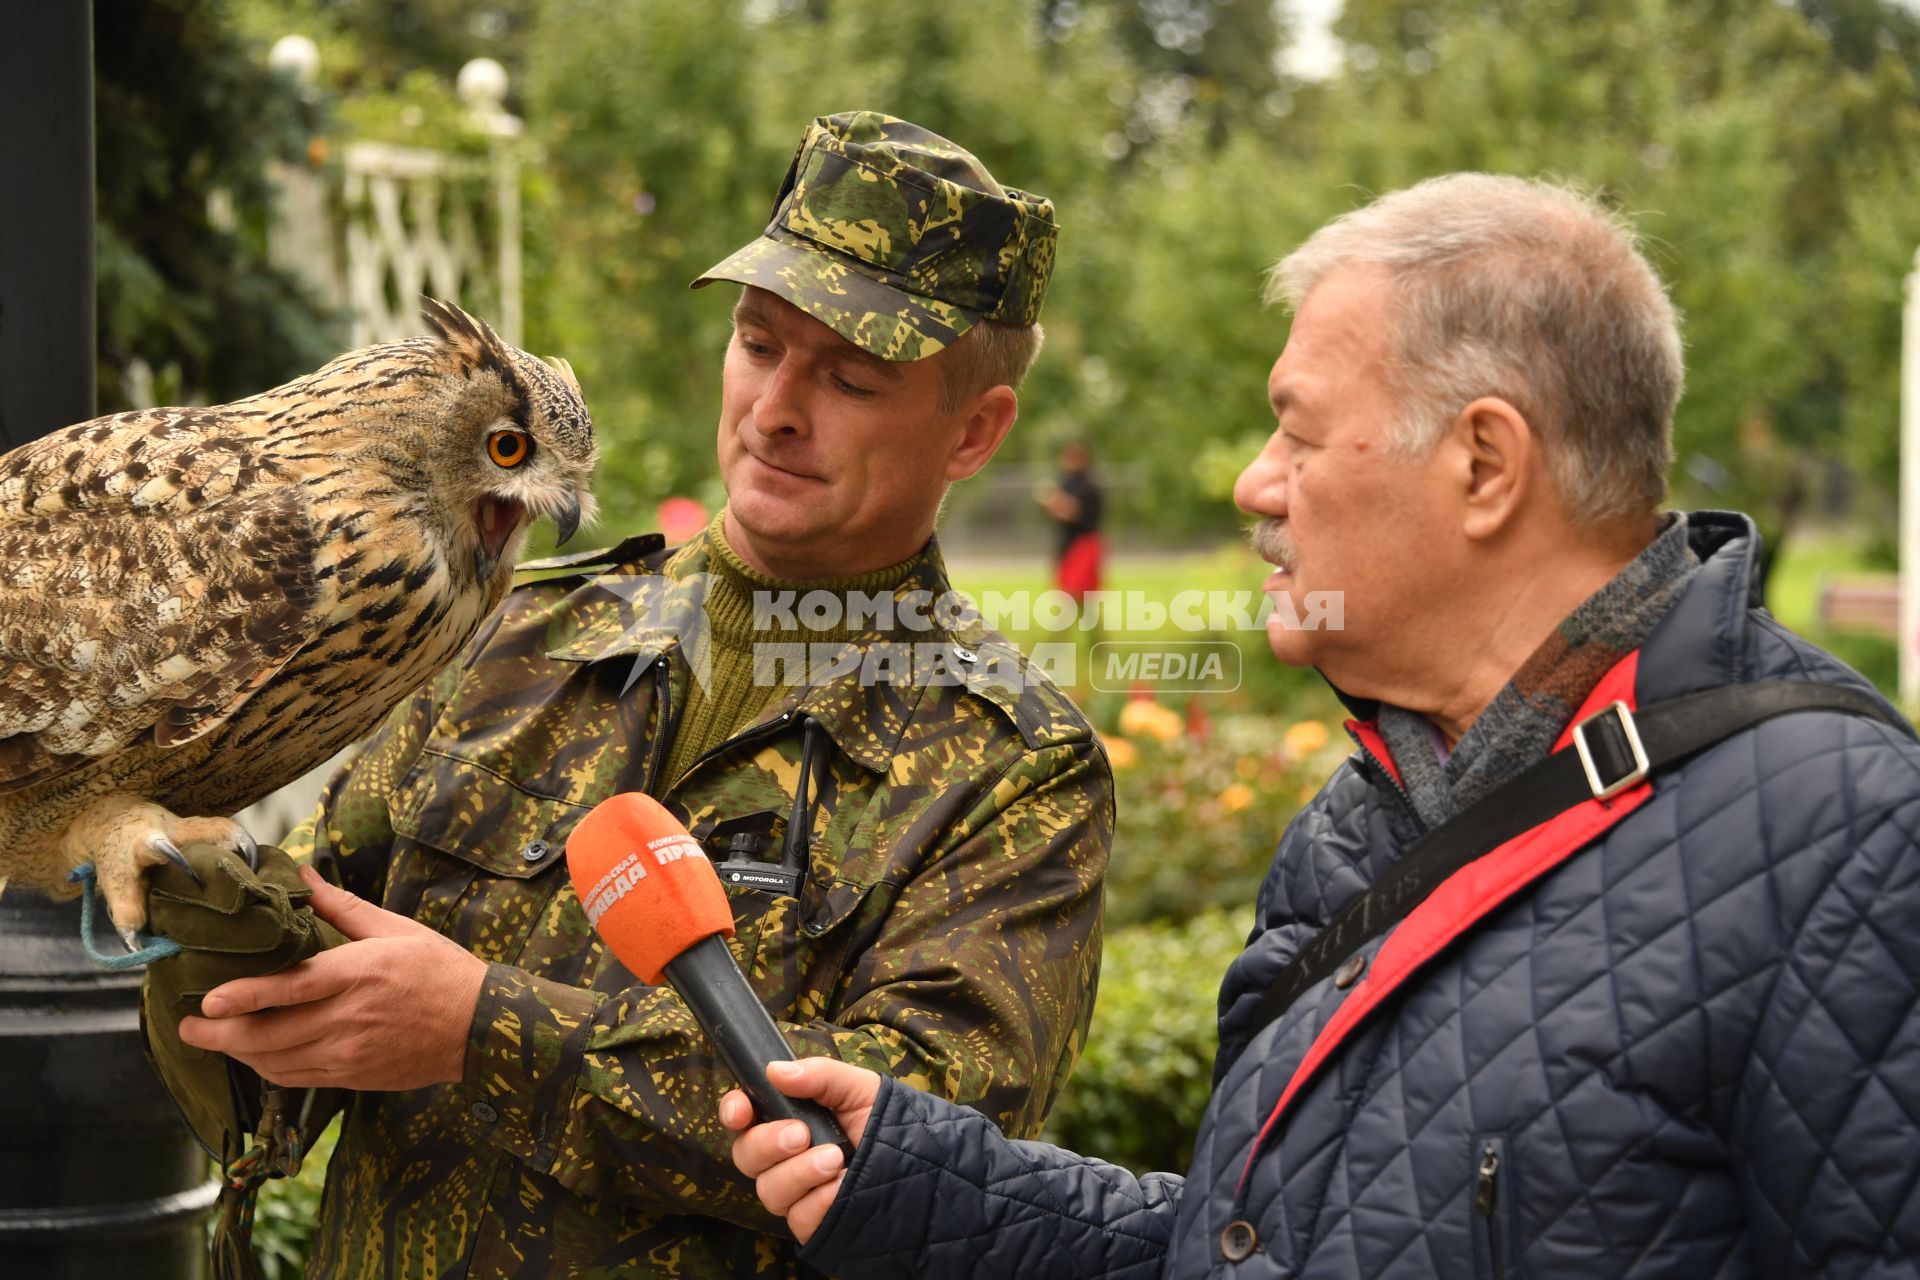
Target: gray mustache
<point>1271,542</point>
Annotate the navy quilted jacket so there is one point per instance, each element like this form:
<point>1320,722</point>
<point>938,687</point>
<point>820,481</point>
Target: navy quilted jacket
<point>1692,1048</point>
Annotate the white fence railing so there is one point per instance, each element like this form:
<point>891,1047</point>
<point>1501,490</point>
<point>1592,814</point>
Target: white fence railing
<point>422,222</point>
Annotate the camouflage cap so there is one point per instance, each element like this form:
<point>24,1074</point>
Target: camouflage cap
<point>897,239</point>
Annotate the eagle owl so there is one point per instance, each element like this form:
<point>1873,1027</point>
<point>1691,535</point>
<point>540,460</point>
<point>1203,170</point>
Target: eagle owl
<point>197,606</point>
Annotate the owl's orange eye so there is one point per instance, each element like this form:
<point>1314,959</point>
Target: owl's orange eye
<point>509,448</point>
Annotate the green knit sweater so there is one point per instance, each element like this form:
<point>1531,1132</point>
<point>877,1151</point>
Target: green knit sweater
<point>730,699</point>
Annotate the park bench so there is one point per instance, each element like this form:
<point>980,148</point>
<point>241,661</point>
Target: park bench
<point>1861,604</point>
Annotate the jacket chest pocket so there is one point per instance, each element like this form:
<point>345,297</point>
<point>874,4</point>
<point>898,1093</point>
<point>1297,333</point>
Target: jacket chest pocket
<point>793,950</point>
<point>477,861</point>
<point>792,940</point>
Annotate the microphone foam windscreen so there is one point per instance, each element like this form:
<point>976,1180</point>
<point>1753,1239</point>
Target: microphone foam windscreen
<point>646,884</point>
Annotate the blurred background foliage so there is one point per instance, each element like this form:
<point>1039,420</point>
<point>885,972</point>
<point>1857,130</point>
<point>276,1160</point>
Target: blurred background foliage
<point>1137,1094</point>
<point>186,116</point>
<point>1769,150</point>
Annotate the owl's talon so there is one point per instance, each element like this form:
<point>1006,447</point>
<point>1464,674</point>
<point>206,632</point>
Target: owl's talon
<point>130,937</point>
<point>249,849</point>
<point>173,855</point>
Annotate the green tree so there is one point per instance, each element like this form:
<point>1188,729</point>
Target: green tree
<point>370,46</point>
<point>665,137</point>
<point>1214,59</point>
<point>1768,151</point>
<point>1771,162</point>
<point>186,119</point>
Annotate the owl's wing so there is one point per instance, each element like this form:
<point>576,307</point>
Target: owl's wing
<point>119,620</point>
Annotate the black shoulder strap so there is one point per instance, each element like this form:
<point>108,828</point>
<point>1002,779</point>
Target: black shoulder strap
<point>1614,749</point>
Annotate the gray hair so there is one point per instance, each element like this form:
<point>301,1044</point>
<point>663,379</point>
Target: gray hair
<point>1528,291</point>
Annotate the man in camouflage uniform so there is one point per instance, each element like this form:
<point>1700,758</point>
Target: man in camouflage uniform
<point>953,836</point>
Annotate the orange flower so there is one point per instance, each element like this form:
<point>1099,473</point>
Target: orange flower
<point>1237,797</point>
<point>1121,754</point>
<point>1305,737</point>
<point>1144,719</point>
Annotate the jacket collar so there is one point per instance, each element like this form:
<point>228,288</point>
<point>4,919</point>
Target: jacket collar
<point>1703,642</point>
<point>643,613</point>
<point>639,611</point>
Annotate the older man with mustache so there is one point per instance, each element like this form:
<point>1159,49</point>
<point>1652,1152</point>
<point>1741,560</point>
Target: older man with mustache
<point>1598,958</point>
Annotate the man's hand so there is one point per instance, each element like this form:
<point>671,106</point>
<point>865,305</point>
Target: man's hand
<point>389,1010</point>
<point>792,1181</point>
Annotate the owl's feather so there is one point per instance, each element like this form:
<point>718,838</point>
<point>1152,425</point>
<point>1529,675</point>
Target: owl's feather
<point>199,605</point>
<point>124,618</point>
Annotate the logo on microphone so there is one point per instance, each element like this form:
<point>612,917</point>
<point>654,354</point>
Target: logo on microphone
<point>613,886</point>
<point>630,871</point>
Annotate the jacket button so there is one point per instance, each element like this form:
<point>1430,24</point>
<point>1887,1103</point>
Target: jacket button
<point>965,654</point>
<point>1349,973</point>
<point>484,1113</point>
<point>1238,1240</point>
<point>535,850</point>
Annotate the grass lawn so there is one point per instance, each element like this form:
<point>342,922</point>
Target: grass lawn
<point>1231,566</point>
<point>1807,562</point>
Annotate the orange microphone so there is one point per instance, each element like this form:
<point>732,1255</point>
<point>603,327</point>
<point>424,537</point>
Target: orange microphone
<point>652,895</point>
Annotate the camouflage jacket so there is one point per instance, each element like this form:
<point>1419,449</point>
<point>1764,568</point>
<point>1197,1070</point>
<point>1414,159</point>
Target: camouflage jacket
<point>947,931</point>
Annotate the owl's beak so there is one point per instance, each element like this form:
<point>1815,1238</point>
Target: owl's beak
<point>566,521</point>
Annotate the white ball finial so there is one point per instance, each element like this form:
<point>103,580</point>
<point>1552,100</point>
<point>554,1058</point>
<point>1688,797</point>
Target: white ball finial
<point>295,56</point>
<point>482,83</point>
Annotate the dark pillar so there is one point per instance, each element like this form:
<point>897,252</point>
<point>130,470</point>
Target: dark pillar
<point>99,1179</point>
<point>46,218</point>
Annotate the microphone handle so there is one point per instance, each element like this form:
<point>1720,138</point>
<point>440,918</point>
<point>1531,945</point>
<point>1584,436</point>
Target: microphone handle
<point>744,1032</point>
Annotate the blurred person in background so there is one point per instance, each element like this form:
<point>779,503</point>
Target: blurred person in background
<point>1075,504</point>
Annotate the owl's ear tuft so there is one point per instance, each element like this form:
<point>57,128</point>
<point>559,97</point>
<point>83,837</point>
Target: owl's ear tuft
<point>560,365</point>
<point>472,340</point>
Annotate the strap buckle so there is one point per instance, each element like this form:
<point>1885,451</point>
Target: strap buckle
<point>1630,733</point>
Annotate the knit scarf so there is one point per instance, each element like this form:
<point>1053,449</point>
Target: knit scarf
<point>1528,715</point>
